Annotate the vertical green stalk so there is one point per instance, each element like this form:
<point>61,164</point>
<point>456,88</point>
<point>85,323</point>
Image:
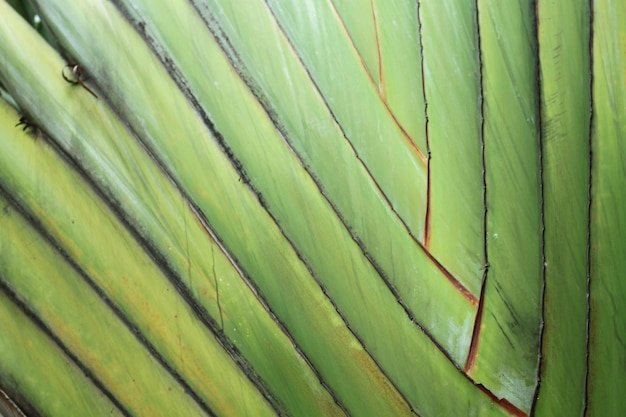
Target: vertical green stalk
<point>563,33</point>
<point>508,341</point>
<point>607,326</point>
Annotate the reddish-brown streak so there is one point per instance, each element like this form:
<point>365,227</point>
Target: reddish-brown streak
<point>455,282</point>
<point>502,402</point>
<point>471,356</point>
<point>427,216</point>
<point>405,134</point>
<point>381,82</point>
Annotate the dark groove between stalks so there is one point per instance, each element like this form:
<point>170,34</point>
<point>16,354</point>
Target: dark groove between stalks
<point>475,333</point>
<point>277,321</point>
<point>479,314</point>
<point>591,22</point>
<point>18,400</point>
<point>426,125</point>
<point>501,402</point>
<point>538,106</point>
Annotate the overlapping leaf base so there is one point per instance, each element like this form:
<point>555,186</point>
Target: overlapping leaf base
<point>314,208</point>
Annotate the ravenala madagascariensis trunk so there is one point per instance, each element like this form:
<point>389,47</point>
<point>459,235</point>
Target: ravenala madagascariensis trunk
<point>313,208</point>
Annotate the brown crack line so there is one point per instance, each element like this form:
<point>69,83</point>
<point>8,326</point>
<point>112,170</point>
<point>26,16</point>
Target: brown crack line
<point>381,77</point>
<point>502,402</point>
